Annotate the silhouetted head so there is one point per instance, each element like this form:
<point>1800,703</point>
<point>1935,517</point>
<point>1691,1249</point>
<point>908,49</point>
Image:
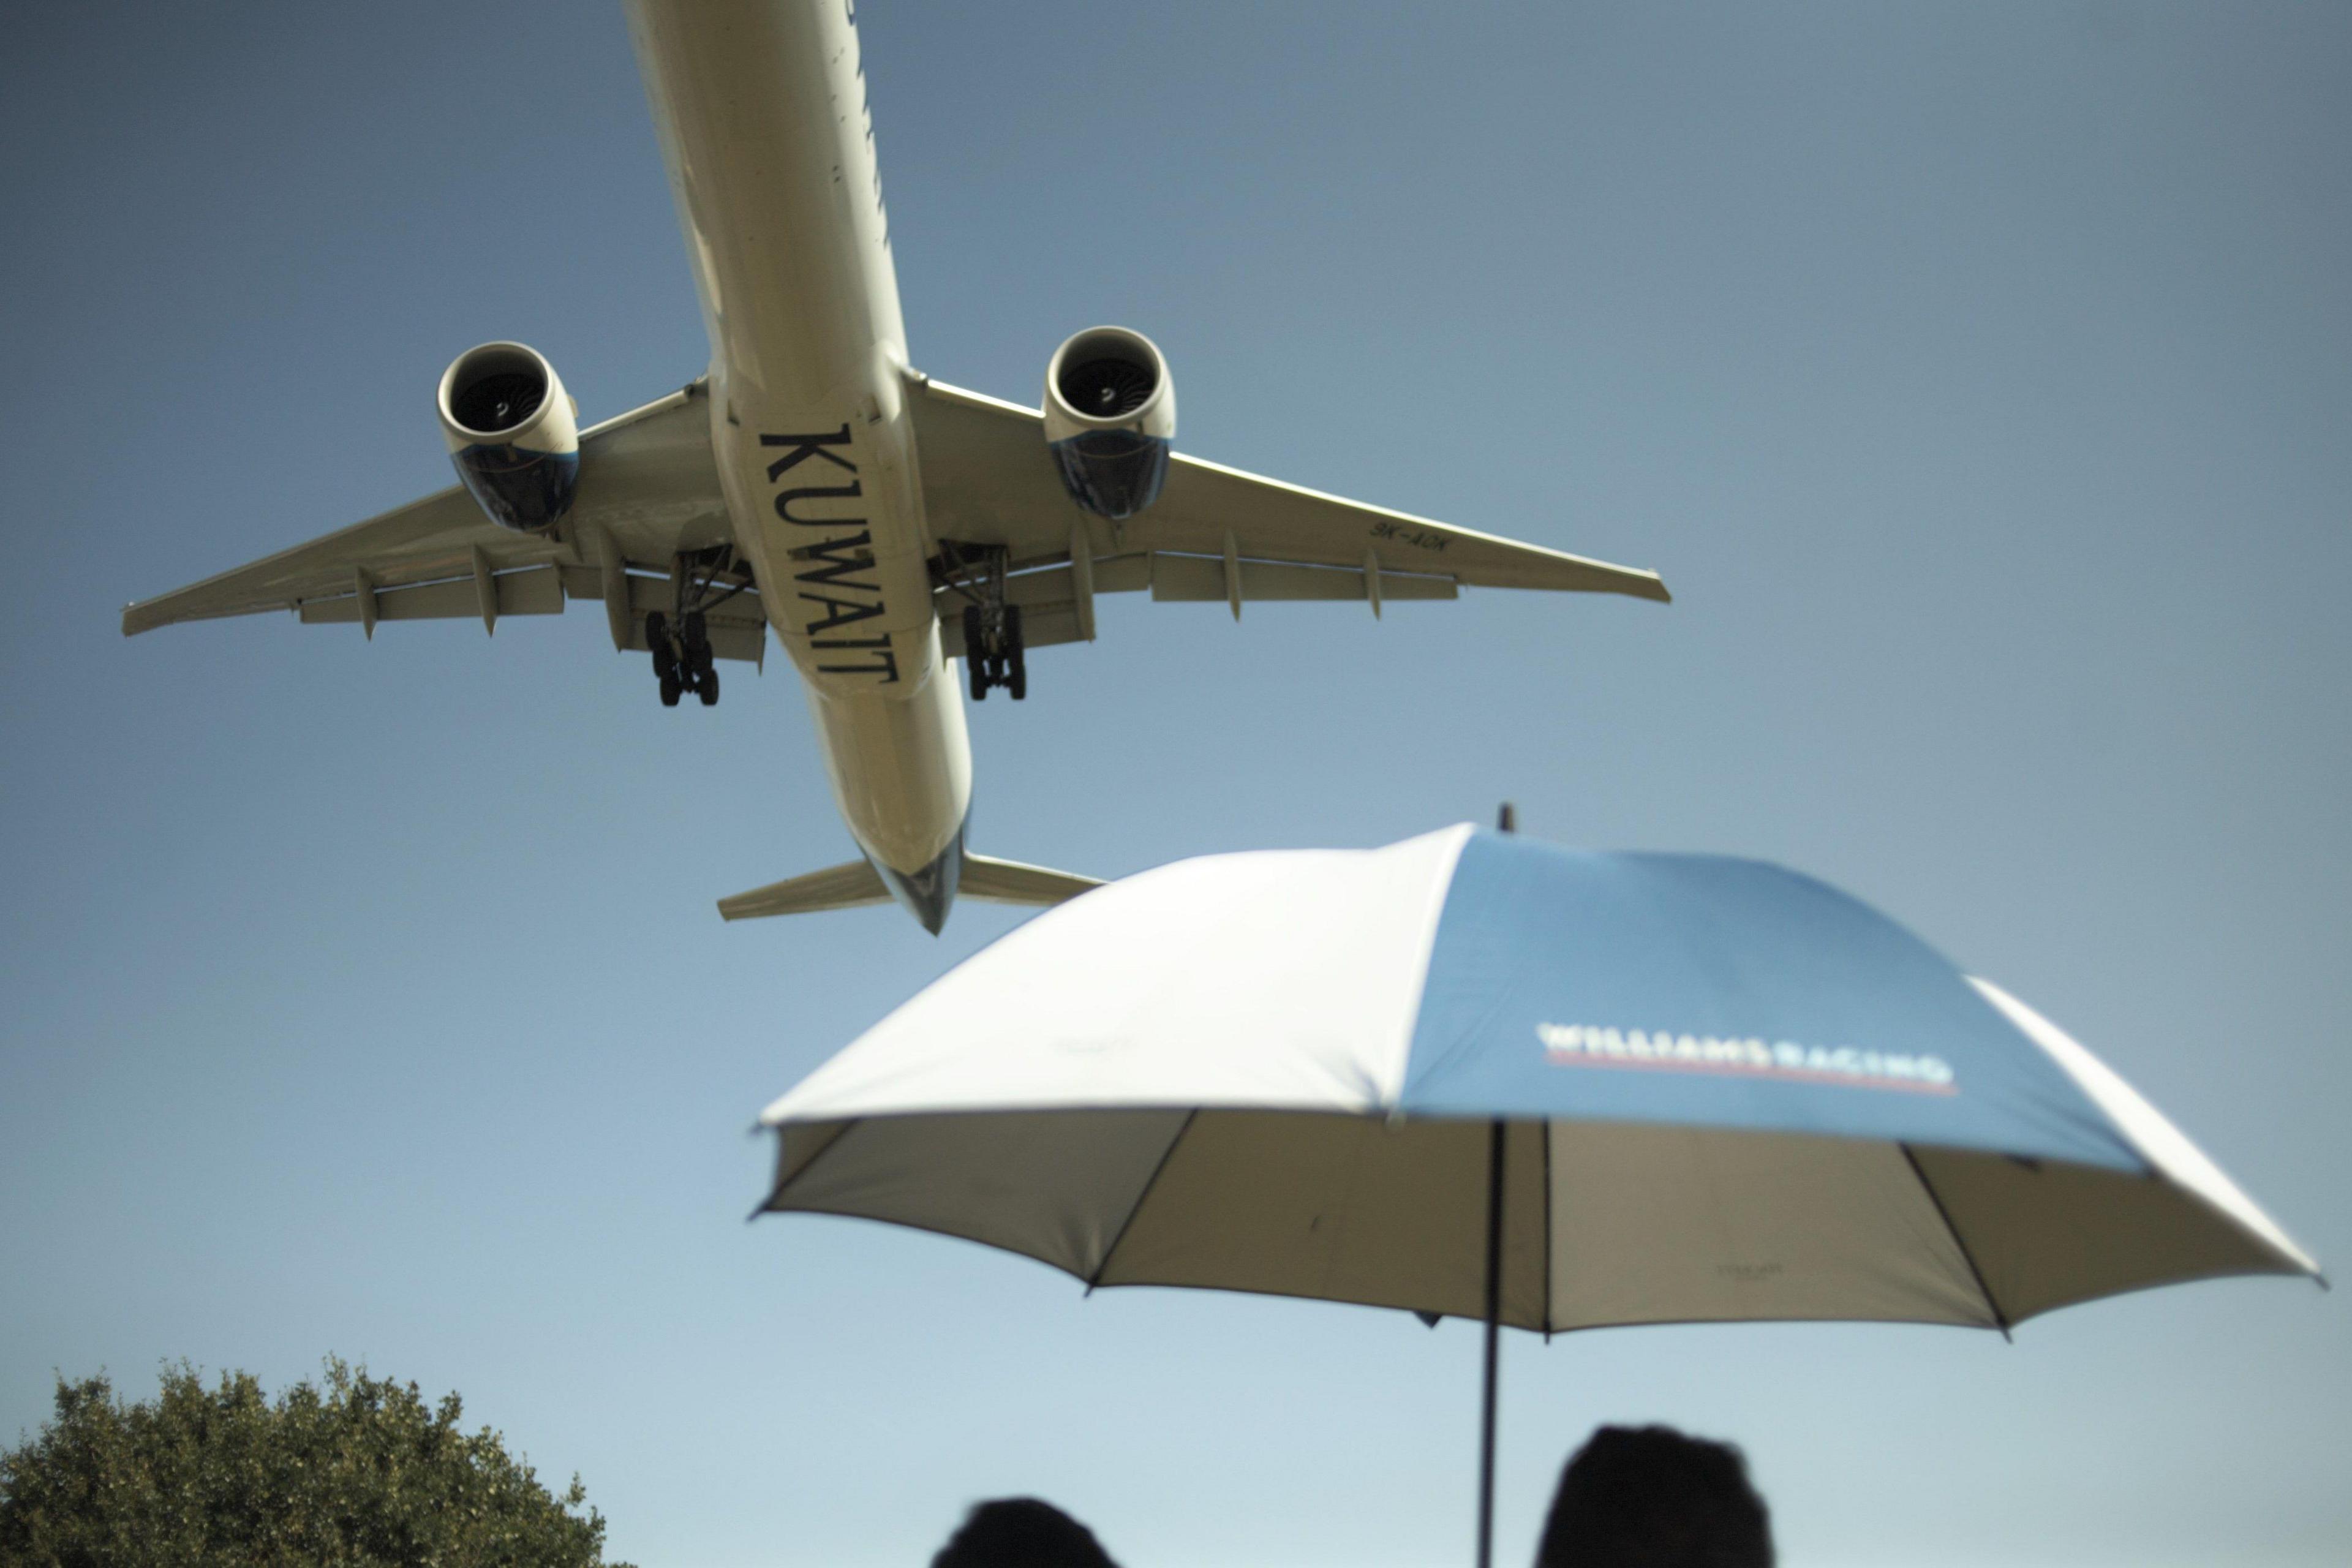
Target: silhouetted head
<point>1021,1532</point>
<point>1648,1497</point>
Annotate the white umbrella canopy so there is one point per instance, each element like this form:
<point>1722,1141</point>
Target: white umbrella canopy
<point>1470,1074</point>
<point>1219,1073</point>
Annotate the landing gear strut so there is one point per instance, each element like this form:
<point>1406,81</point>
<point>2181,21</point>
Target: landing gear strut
<point>992,645</point>
<point>683,660</point>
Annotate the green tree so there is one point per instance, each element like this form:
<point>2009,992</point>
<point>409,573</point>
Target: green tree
<point>360,1474</point>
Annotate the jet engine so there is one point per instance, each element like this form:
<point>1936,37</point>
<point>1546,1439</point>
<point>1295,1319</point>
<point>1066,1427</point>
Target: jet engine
<point>1111,412</point>
<point>513,432</point>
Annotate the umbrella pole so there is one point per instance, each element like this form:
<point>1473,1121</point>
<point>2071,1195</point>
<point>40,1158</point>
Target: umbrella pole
<point>1494,1342</point>
<point>1507,820</point>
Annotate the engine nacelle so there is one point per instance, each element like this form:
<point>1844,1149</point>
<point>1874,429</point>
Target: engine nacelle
<point>1110,412</point>
<point>513,432</point>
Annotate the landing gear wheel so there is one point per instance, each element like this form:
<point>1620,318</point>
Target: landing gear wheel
<point>975,659</point>
<point>658,639</point>
<point>706,685</point>
<point>670,689</point>
<point>1015,673</point>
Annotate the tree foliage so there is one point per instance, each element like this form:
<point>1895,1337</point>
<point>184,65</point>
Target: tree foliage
<point>360,1473</point>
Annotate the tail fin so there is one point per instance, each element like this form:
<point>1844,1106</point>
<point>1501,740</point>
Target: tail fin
<point>1011,882</point>
<point>858,884</point>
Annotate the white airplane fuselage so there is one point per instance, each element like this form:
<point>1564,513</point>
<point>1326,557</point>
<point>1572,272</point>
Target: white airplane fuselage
<point>804,466</point>
<point>760,108</point>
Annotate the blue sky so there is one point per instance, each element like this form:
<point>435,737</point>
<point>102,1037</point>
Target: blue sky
<point>1978,377</point>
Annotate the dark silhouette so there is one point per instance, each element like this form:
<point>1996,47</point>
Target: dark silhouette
<point>1648,1497</point>
<point>1021,1532</point>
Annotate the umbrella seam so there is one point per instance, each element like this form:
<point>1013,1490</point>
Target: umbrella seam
<point>1952,1229</point>
<point>1425,948</point>
<point>1140,1198</point>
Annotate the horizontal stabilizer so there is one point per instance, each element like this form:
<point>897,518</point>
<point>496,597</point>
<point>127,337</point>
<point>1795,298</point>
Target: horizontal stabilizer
<point>858,884</point>
<point>849,887</point>
<point>1011,882</point>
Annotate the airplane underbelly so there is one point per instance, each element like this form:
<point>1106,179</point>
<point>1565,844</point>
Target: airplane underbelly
<point>901,770</point>
<point>826,506</point>
<point>766,134</point>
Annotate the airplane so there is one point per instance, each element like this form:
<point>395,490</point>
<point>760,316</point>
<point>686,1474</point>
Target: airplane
<point>813,485</point>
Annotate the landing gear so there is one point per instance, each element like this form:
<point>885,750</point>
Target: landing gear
<point>684,660</point>
<point>996,660</point>
<point>992,645</point>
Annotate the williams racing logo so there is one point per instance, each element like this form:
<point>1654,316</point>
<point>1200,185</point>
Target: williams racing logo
<point>1581,1045</point>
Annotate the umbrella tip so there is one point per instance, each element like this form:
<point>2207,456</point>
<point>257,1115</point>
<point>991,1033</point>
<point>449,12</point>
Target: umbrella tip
<point>1507,819</point>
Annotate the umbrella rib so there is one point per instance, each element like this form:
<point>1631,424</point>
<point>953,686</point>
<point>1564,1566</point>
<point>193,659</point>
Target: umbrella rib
<point>1137,1207</point>
<point>2000,1319</point>
<point>840,1132</point>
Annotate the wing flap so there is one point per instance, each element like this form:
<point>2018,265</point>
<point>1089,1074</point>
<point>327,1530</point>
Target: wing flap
<point>1048,601</point>
<point>1185,578</point>
<point>1042,626</point>
<point>534,590</point>
<point>1048,595</point>
<point>737,626</point>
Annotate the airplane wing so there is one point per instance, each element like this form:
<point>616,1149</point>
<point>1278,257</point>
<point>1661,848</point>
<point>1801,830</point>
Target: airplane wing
<point>1215,534</point>
<point>649,493</point>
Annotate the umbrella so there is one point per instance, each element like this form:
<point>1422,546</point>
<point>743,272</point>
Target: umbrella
<point>1477,1074</point>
